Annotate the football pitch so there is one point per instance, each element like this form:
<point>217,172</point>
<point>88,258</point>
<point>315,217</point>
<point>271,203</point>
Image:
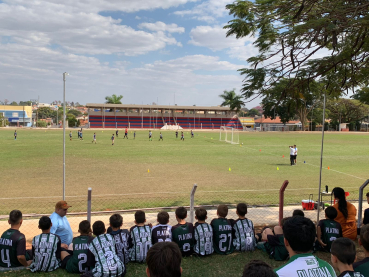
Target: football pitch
<point>138,173</point>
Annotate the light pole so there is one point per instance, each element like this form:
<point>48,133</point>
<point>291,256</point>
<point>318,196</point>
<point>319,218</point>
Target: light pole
<point>64,77</point>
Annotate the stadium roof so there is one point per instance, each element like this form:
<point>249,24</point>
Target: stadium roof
<point>166,107</point>
<point>277,120</point>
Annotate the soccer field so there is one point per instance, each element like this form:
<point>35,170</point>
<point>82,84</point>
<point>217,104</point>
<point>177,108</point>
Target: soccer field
<point>142,174</point>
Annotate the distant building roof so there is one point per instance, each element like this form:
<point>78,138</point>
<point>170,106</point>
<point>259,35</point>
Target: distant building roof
<point>277,120</point>
<point>166,107</point>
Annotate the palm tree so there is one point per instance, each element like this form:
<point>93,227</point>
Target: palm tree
<point>114,99</point>
<point>232,100</point>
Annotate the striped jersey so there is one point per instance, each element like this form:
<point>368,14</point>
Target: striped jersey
<point>141,243</point>
<point>12,244</point>
<point>203,235</point>
<point>161,232</point>
<point>122,238</point>
<point>107,261</point>
<point>244,235</point>
<point>78,263</point>
<point>182,234</point>
<point>351,274</point>
<point>222,229</point>
<point>46,253</point>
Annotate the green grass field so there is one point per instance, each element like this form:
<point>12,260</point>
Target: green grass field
<point>140,173</point>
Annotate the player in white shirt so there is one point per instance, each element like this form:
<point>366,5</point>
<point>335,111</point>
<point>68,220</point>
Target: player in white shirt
<point>292,155</point>
<point>295,153</point>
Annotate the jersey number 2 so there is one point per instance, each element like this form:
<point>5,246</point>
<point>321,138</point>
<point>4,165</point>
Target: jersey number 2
<point>223,239</point>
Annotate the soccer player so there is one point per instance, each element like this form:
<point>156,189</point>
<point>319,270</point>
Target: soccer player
<point>162,231</point>
<point>343,255</point>
<point>182,136</point>
<point>46,248</point>
<point>292,155</point>
<point>134,135</point>
<point>121,237</point>
<point>176,134</point>
<point>182,233</point>
<point>203,234</point>
<point>102,251</point>
<point>112,139</point>
<point>94,140</point>
<point>328,230</point>
<point>161,137</point>
<point>81,135</point>
<point>363,265</point>
<point>126,133</point>
<point>76,261</point>
<point>141,238</point>
<point>116,133</point>
<point>299,236</point>
<point>295,154</point>
<point>150,136</point>
<point>222,229</point>
<point>70,135</point>
<point>13,244</point>
<point>15,134</point>
<point>243,230</point>
<point>192,135</point>
<point>163,260</point>
<point>256,268</point>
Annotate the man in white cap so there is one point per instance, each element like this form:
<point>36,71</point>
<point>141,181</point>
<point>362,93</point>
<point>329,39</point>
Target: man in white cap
<point>60,224</point>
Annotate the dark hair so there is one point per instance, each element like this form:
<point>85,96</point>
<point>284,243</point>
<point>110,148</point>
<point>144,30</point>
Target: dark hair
<point>201,214</point>
<point>242,209</point>
<point>84,226</point>
<point>339,193</point>
<point>367,194</point>
<point>181,212</point>
<point>300,233</point>
<point>257,268</point>
<point>344,249</point>
<point>222,210</point>
<point>15,217</point>
<point>364,236</point>
<point>98,228</point>
<point>44,223</point>
<point>163,217</point>
<point>164,260</point>
<point>140,217</point>
<point>331,212</point>
<point>116,220</point>
<point>298,213</point>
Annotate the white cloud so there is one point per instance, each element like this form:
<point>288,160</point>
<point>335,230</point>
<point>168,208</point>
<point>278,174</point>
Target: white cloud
<point>161,27</point>
<point>137,17</point>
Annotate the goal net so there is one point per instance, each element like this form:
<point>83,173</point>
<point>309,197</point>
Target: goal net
<point>229,134</point>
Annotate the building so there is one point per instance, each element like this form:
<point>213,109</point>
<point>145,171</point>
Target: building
<point>268,124</point>
<point>17,115</point>
<point>247,122</point>
<point>157,116</point>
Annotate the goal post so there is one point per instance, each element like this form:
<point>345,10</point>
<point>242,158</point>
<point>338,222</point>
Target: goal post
<point>229,135</point>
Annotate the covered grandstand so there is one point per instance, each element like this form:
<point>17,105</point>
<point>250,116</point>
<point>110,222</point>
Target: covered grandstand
<point>158,116</point>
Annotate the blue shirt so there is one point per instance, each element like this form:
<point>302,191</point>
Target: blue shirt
<point>61,228</point>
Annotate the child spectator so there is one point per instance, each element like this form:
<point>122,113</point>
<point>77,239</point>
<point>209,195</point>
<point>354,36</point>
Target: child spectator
<point>102,252</point>
<point>182,233</point>
<point>203,234</point>
<point>222,232</point>
<point>273,243</point>
<point>162,231</point>
<point>121,237</point>
<point>328,230</point>
<point>243,230</point>
<point>299,236</point>
<point>164,260</point>
<point>366,212</point>
<point>298,213</point>
<point>76,261</point>
<point>141,238</point>
<point>46,248</point>
<point>13,244</point>
<point>343,255</point>
<point>256,268</point>
<point>363,266</point>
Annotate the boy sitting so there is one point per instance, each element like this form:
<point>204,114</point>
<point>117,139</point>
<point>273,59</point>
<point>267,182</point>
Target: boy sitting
<point>328,230</point>
<point>203,234</point>
<point>76,261</point>
<point>222,231</point>
<point>182,233</point>
<point>46,248</point>
<point>121,237</point>
<point>272,242</point>
<point>140,238</point>
<point>363,266</point>
<point>162,231</point>
<point>343,255</point>
<point>13,244</point>
<point>256,268</point>
<point>243,231</point>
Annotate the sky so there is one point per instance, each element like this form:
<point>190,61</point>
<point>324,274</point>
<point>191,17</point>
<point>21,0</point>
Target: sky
<point>163,51</point>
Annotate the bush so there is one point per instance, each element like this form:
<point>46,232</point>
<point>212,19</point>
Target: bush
<point>41,124</point>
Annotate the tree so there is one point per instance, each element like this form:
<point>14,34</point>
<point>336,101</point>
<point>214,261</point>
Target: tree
<point>6,101</point>
<point>114,99</point>
<point>347,110</point>
<point>362,95</point>
<point>14,103</point>
<point>25,103</point>
<point>76,113</point>
<point>303,41</point>
<point>232,100</point>
<point>252,113</point>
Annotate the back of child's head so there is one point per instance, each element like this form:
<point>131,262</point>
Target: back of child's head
<point>241,209</point>
<point>44,223</point>
<point>331,212</point>
<point>84,227</point>
<point>222,210</point>
<point>367,194</point>
<point>15,217</point>
<point>364,236</point>
<point>116,220</point>
<point>201,214</point>
<point>164,260</point>
<point>257,268</point>
<point>163,217</point>
<point>140,217</point>
<point>298,213</point>
<point>300,233</point>
<point>344,249</point>
<point>181,212</point>
<point>98,228</point>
